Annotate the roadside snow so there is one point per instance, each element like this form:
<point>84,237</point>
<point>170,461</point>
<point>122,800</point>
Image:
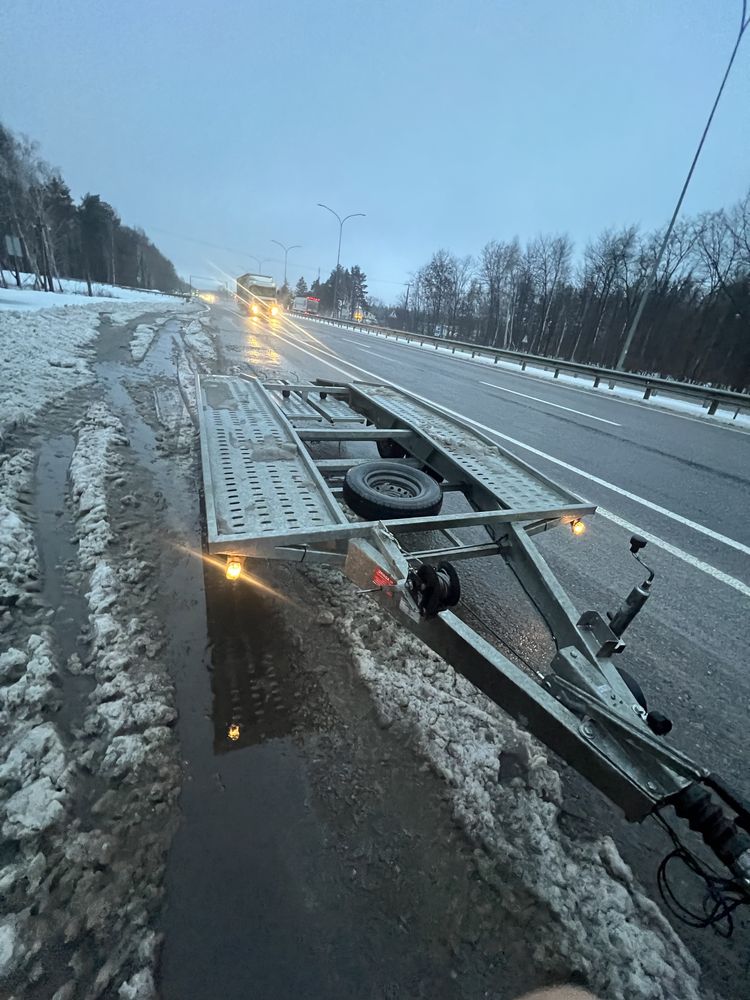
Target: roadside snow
<point>127,737</point>
<point>141,340</point>
<point>99,431</point>
<point>19,566</point>
<point>585,906</point>
<point>74,292</point>
<point>199,343</point>
<point>87,811</point>
<point>43,354</point>
<point>36,779</point>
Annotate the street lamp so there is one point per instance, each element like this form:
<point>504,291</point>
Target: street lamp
<point>353,215</point>
<point>261,261</point>
<point>651,280</point>
<point>294,246</point>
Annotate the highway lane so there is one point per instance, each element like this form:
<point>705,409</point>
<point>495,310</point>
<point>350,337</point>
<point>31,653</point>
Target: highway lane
<point>695,469</point>
<point>680,479</point>
<point>689,646</point>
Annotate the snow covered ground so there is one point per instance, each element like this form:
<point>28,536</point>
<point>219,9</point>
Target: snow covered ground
<point>43,353</point>
<point>725,415</point>
<point>73,292</point>
<point>584,903</point>
<point>87,793</point>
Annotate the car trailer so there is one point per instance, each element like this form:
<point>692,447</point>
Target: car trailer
<point>268,497</point>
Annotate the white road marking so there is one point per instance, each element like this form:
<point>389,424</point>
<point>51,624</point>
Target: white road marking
<point>717,574</point>
<point>546,402</point>
<point>367,350</point>
<point>724,539</point>
<point>712,571</point>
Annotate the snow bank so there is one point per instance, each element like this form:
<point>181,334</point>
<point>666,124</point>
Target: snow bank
<point>19,566</point>
<point>74,292</point>
<point>36,779</point>
<point>98,432</point>
<point>141,340</point>
<point>589,914</point>
<point>87,814</point>
<point>126,734</point>
<point>199,343</point>
<point>43,356</point>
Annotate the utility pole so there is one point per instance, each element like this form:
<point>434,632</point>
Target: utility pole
<point>651,279</point>
<point>353,215</point>
<point>295,246</point>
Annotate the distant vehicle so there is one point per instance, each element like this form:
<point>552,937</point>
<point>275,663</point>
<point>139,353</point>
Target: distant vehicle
<point>363,316</point>
<point>306,304</point>
<point>257,293</point>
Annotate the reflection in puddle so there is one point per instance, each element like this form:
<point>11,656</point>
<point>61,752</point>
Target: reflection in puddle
<point>258,348</point>
<point>256,691</point>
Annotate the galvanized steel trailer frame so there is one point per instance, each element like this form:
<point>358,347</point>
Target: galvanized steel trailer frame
<point>267,497</point>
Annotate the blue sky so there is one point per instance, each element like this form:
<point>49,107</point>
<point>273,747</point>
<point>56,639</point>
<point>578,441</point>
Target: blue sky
<point>448,124</point>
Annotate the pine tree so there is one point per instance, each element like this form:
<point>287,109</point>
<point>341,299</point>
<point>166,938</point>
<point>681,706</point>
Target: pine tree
<point>357,289</point>
<point>300,289</point>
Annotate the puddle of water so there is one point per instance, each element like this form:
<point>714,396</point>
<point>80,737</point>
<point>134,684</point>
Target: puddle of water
<point>58,554</point>
<point>249,850</point>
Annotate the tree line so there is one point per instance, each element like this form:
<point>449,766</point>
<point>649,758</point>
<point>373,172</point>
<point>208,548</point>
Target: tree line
<point>44,232</point>
<point>351,291</point>
<point>536,297</point>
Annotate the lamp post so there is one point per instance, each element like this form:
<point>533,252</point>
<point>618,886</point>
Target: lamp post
<point>341,221</point>
<point>651,279</point>
<point>261,261</point>
<point>294,246</point>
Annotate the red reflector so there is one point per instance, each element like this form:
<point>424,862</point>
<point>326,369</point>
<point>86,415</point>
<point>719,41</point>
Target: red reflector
<point>381,579</point>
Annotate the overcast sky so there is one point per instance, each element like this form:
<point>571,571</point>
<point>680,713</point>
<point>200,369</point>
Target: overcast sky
<point>448,124</point>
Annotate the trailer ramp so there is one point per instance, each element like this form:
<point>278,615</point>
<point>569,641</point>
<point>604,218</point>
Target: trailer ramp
<point>259,479</point>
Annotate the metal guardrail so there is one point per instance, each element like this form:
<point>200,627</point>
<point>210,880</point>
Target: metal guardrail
<point>711,398</point>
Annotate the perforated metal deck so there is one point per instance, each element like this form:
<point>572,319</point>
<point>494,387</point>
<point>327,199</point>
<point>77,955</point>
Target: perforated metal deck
<point>513,483</point>
<point>258,477</point>
<point>308,408</point>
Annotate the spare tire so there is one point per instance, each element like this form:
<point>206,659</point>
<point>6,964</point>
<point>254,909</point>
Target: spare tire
<point>376,490</point>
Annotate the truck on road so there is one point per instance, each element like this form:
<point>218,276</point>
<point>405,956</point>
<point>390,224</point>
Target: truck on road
<point>307,304</point>
<point>257,293</point>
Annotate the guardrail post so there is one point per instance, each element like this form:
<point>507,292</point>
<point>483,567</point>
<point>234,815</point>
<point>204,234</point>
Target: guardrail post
<point>557,372</point>
<point>611,384</point>
<point>597,380</point>
<point>713,407</point>
<point>494,362</point>
<point>647,393</point>
<point>523,366</point>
